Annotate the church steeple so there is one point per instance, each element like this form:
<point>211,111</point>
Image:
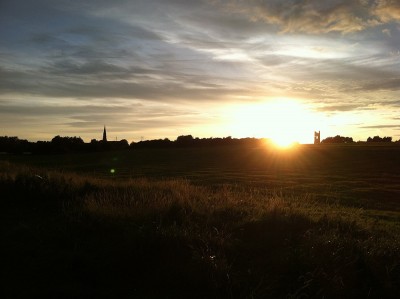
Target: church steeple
<point>104,135</point>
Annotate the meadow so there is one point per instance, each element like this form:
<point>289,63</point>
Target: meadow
<point>215,222</point>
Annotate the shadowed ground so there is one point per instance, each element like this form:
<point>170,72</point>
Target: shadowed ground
<point>205,223</point>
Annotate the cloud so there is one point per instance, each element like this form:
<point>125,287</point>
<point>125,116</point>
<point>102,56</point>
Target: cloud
<point>337,54</point>
<point>388,10</point>
<point>98,50</point>
<point>86,81</point>
<point>340,107</point>
<point>93,67</point>
<point>42,109</point>
<point>315,16</point>
<point>387,32</point>
<point>381,127</point>
<point>391,84</point>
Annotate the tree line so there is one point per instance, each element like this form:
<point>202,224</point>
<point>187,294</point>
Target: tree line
<point>67,144</point>
<point>58,144</point>
<point>343,139</point>
<point>190,141</point>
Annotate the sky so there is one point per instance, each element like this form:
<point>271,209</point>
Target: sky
<point>156,69</point>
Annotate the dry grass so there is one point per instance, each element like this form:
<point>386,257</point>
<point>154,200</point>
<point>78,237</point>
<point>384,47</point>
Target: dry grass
<point>77,236</point>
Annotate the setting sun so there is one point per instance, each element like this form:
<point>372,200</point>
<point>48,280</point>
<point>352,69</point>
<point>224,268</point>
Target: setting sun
<point>283,143</point>
<point>284,121</point>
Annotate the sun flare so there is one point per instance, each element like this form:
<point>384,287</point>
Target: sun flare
<point>283,121</point>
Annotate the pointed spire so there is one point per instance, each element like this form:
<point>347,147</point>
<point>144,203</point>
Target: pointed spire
<point>104,134</point>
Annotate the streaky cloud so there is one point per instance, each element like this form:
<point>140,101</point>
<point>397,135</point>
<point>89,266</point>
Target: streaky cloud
<point>381,126</point>
<point>341,107</point>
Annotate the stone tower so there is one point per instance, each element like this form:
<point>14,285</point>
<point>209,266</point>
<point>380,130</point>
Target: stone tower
<point>104,135</point>
<point>317,137</point>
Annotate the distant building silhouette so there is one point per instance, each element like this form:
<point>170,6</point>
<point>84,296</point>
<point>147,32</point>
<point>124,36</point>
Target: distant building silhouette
<point>104,135</point>
<point>317,137</point>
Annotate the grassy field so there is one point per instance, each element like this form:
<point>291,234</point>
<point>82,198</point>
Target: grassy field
<point>229,222</point>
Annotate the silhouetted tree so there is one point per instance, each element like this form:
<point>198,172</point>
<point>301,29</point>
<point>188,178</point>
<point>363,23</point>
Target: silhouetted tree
<point>118,145</point>
<point>379,139</point>
<point>158,143</point>
<point>67,140</point>
<point>338,139</point>
<point>14,145</point>
<point>65,144</point>
<point>184,140</point>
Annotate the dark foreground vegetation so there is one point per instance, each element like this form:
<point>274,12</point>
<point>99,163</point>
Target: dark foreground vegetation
<point>323,222</point>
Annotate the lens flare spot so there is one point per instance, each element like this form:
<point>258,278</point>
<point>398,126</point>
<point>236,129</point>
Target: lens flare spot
<point>112,170</point>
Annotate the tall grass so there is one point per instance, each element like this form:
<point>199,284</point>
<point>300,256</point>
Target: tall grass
<point>68,235</point>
